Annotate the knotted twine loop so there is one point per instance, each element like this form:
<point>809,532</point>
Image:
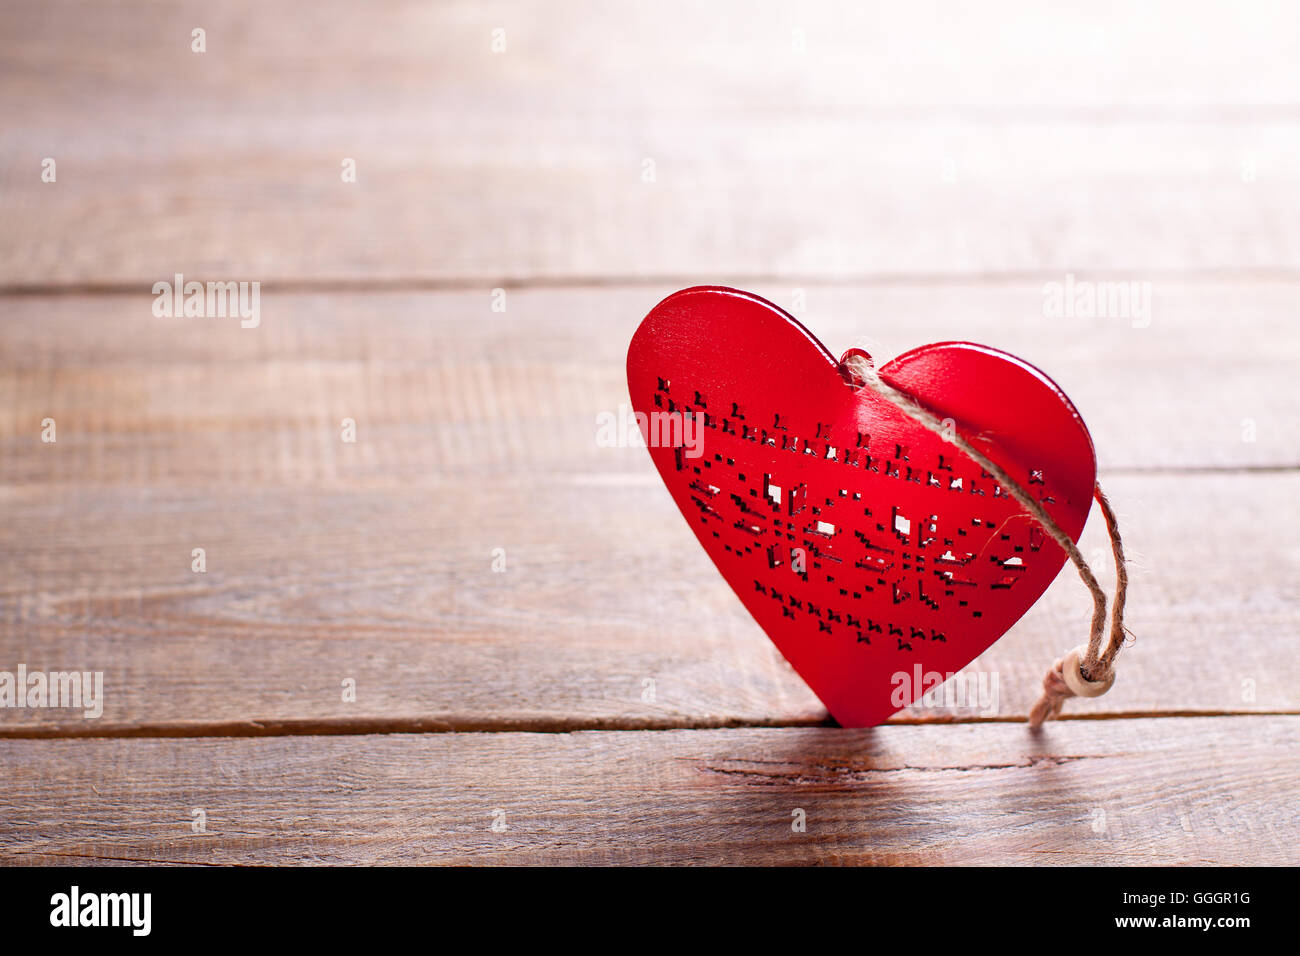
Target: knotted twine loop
<point>1088,670</point>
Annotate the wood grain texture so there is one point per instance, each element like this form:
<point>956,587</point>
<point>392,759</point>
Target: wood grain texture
<point>477,430</point>
<point>1194,790</point>
<point>391,584</point>
<point>441,385</point>
<point>893,174</point>
<point>1011,139</point>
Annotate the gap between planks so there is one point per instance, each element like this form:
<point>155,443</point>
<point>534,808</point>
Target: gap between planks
<point>366,726</point>
<point>469,283</point>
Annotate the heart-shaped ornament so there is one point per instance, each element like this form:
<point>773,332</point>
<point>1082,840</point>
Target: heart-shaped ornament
<point>869,548</point>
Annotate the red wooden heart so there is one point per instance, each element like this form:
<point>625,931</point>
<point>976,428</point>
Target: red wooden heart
<point>911,554</point>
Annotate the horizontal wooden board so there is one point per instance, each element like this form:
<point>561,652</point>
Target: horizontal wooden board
<point>441,385</point>
<point>822,141</point>
<point>1190,791</point>
<point>607,613</point>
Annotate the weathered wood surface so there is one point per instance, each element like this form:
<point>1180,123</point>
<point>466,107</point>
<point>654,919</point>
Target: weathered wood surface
<point>391,584</point>
<point>905,139</point>
<point>1190,790</point>
<point>894,175</point>
<point>441,385</point>
<point>477,430</point>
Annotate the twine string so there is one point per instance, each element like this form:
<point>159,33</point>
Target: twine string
<point>1095,665</point>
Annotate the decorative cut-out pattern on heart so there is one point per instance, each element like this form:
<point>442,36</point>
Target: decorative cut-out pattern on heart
<point>867,548</point>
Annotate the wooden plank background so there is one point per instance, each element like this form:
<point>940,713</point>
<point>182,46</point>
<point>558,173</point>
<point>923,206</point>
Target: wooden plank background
<point>1119,791</point>
<point>895,174</point>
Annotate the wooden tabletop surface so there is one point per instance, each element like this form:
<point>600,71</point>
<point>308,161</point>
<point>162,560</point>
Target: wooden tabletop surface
<point>351,676</point>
